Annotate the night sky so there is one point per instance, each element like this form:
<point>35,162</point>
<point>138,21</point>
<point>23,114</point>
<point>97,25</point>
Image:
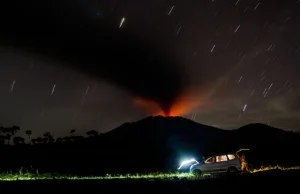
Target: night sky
<point>86,64</point>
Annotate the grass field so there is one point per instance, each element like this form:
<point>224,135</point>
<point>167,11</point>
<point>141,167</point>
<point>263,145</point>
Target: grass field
<point>269,181</point>
<point>35,176</point>
<point>21,175</point>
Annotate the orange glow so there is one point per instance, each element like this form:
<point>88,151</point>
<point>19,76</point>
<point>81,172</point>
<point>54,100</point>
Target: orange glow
<point>148,105</point>
<point>183,105</point>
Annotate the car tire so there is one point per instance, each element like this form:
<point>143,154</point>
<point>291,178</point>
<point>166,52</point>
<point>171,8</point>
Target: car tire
<point>197,172</point>
<point>232,170</point>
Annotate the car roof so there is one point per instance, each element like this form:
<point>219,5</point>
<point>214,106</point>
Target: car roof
<point>220,155</point>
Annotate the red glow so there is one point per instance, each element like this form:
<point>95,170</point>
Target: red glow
<point>148,105</point>
<point>184,105</point>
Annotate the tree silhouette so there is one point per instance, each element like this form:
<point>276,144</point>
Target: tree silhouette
<point>6,133</point>
<point>7,137</point>
<point>66,139</point>
<point>2,136</point>
<point>59,140</point>
<point>48,138</point>
<point>76,138</point>
<point>2,139</point>
<point>18,140</point>
<point>92,133</point>
<point>72,131</point>
<point>28,133</point>
<point>34,141</point>
<point>39,140</point>
<point>14,130</point>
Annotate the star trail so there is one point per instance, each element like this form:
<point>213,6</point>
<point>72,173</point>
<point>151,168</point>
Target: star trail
<point>238,59</point>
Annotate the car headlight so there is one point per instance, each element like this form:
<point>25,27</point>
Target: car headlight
<point>185,162</point>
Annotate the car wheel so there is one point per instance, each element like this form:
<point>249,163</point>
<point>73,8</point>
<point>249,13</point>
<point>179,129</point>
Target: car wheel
<point>232,170</point>
<point>197,172</point>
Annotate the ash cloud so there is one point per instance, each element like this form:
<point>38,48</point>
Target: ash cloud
<point>68,31</point>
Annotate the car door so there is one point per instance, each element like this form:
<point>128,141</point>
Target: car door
<point>208,165</point>
<point>221,163</point>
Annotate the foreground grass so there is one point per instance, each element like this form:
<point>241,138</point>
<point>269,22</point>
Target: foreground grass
<point>161,176</point>
<point>275,168</point>
<point>35,176</point>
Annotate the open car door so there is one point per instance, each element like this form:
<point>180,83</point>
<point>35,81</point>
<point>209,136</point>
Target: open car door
<point>243,149</point>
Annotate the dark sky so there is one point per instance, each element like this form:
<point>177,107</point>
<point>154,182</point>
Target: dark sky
<point>82,64</point>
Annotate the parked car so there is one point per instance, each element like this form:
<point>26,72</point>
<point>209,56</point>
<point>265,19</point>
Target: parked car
<point>230,163</point>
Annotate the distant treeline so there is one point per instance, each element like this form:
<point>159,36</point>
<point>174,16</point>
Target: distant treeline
<point>10,133</point>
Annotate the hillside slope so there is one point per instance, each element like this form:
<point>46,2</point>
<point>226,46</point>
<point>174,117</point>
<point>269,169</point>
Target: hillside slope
<point>169,139</point>
<point>155,144</point>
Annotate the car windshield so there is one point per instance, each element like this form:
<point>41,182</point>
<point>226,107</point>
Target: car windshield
<point>210,160</point>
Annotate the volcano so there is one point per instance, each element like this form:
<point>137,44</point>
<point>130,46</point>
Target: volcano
<point>161,141</point>
<point>165,127</point>
<point>175,131</point>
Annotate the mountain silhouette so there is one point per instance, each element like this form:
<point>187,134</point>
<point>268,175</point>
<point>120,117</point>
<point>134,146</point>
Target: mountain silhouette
<point>166,140</point>
<point>155,144</point>
<point>165,129</point>
<point>161,128</point>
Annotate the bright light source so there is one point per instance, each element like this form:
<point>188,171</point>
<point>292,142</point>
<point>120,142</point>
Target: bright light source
<point>193,165</point>
<point>186,162</point>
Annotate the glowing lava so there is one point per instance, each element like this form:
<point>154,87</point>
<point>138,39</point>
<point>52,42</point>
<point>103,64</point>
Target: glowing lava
<point>183,105</point>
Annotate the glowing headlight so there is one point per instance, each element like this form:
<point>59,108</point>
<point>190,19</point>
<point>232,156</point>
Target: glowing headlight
<point>186,162</point>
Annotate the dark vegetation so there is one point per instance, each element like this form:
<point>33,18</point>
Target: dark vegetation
<point>149,145</point>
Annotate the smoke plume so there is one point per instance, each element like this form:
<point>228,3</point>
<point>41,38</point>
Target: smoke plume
<point>69,32</point>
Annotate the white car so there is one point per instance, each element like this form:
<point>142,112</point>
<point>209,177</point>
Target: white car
<point>230,163</point>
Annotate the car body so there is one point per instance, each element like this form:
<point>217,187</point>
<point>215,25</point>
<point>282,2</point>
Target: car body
<point>220,163</point>
<point>186,164</point>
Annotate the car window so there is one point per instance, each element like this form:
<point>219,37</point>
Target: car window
<point>231,156</point>
<point>210,160</point>
<point>221,158</point>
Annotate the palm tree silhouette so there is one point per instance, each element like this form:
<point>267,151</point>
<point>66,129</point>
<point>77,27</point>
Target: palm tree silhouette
<point>28,133</point>
<point>7,137</point>
<point>7,133</point>
<point>14,130</point>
